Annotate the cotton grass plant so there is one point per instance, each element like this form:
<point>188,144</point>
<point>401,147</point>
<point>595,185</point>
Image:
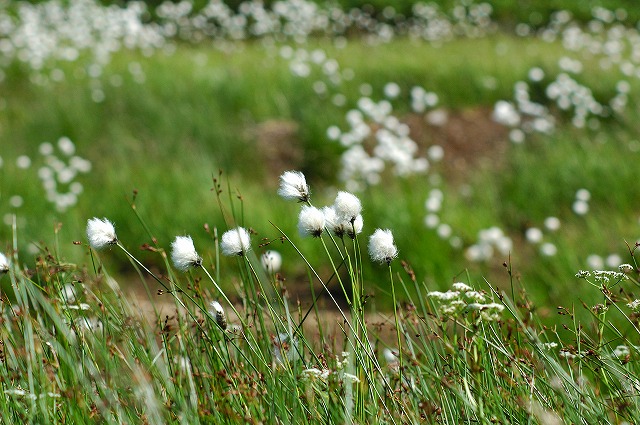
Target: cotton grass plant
<point>76,349</point>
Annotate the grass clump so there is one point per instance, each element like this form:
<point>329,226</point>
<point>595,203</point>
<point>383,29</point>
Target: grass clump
<point>75,348</point>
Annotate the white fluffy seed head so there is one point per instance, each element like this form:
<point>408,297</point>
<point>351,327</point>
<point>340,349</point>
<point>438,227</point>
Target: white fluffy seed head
<point>332,222</point>
<point>271,261</point>
<point>101,233</point>
<point>347,206</point>
<point>381,246</point>
<point>310,221</point>
<point>293,186</point>
<point>356,227</point>
<point>218,314</point>
<point>183,253</point>
<point>4,264</point>
<point>235,242</point>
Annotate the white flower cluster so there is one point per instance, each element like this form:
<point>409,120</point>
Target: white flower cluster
<point>469,19</point>
<point>580,205</point>
<point>41,33</point>
<point>634,305</point>
<point>607,39</point>
<point>523,115</point>
<point>463,299</point>
<point>341,218</point>
<point>604,276</point>
<point>535,236</point>
<point>433,206</point>
<point>315,374</point>
<point>58,173</point>
<point>489,241</point>
<point>392,144</point>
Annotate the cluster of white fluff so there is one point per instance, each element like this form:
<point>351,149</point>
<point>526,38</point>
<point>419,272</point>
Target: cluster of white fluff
<point>183,253</point>
<point>490,241</point>
<point>58,174</point>
<point>101,233</point>
<point>46,32</point>
<point>607,39</point>
<point>392,144</point>
<point>342,218</point>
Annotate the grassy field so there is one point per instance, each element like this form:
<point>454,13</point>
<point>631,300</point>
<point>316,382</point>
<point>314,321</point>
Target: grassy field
<point>190,138</point>
<point>200,111</point>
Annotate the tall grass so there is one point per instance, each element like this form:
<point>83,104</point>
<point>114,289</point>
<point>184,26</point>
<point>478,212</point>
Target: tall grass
<point>75,349</point>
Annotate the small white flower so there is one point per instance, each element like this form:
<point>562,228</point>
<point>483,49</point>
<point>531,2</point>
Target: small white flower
<point>235,242</point>
<point>381,246</point>
<point>315,373</point>
<point>634,305</point>
<point>293,186</point>
<point>4,264</point>
<point>101,233</point>
<point>625,268</point>
<point>347,206</point>
<point>271,261</point>
<point>183,253</point>
<point>218,313</point>
<point>462,287</point>
<point>310,221</point>
<point>444,296</point>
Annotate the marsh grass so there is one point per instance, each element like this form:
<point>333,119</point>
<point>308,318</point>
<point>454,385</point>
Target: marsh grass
<point>87,354</point>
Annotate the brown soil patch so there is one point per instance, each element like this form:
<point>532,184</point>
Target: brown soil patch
<point>470,139</point>
<point>278,146</point>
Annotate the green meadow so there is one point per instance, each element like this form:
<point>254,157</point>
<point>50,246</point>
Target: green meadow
<point>191,138</point>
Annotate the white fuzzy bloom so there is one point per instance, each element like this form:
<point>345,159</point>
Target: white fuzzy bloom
<point>4,264</point>
<point>293,186</point>
<point>333,223</point>
<point>310,221</point>
<point>381,246</point>
<point>235,241</point>
<point>347,206</point>
<point>355,228</point>
<point>218,313</point>
<point>101,233</point>
<point>183,253</point>
<point>271,261</point>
